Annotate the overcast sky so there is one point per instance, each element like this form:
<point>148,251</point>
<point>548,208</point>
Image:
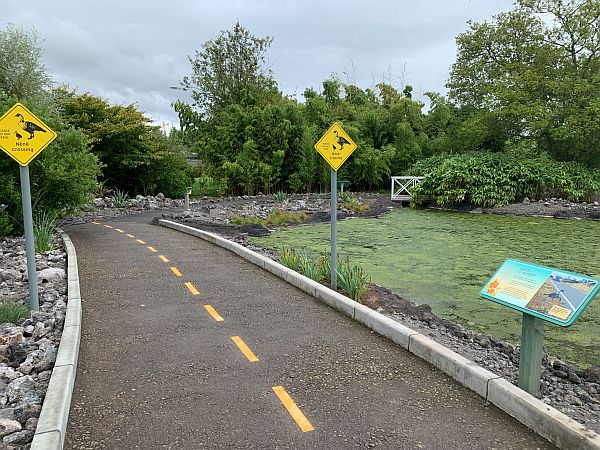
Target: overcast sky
<point>134,51</point>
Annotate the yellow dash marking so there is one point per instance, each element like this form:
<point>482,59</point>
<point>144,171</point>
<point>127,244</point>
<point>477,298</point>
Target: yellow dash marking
<point>95,223</point>
<point>130,235</point>
<point>244,349</point>
<point>294,411</point>
<point>192,289</point>
<point>213,313</point>
<point>140,241</point>
<point>119,230</point>
<point>176,272</point>
<point>163,258</point>
<point>107,226</point>
<point>152,249</point>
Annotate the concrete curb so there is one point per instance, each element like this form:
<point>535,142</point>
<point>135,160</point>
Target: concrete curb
<point>52,424</point>
<point>548,422</point>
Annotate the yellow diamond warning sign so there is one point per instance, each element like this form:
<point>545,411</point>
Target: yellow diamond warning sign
<point>22,135</point>
<point>335,146</point>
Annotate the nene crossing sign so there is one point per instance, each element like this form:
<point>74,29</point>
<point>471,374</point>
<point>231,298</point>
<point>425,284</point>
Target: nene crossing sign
<point>22,135</point>
<point>335,146</point>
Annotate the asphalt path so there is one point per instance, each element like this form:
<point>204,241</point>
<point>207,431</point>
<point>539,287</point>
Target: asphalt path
<point>574,297</point>
<point>158,367</point>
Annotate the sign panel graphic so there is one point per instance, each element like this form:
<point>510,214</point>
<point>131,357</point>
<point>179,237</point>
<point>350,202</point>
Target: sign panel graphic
<point>553,295</point>
<point>335,146</point>
<point>22,135</point>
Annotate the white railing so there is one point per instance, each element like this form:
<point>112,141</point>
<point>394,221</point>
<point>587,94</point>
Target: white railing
<point>402,186</point>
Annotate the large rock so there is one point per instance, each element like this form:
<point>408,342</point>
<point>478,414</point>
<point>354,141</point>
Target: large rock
<point>15,353</point>
<point>10,275</point>
<point>8,426</point>
<point>19,438</point>
<point>21,389</point>
<point>51,275</point>
<point>25,411</point>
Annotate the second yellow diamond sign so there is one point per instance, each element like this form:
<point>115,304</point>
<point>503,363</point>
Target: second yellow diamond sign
<point>22,135</point>
<point>335,146</point>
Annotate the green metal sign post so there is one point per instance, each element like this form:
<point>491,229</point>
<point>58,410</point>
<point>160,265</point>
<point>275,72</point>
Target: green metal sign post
<point>542,294</point>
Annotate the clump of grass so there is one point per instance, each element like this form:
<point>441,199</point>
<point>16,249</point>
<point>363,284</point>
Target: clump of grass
<point>276,217</point>
<point>353,280</point>
<point>279,217</point>
<point>350,278</point>
<point>351,203</point>
<point>44,223</point>
<point>12,312</point>
<point>120,198</point>
<point>281,196</point>
<point>247,220</point>
<point>309,267</point>
<point>289,258</point>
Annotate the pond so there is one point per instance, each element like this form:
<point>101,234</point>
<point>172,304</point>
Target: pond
<point>444,259</point>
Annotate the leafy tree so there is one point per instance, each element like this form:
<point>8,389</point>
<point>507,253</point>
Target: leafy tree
<point>533,72</point>
<point>22,73</point>
<point>136,155</point>
<point>229,70</point>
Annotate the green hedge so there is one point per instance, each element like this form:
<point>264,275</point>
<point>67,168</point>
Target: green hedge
<point>495,179</point>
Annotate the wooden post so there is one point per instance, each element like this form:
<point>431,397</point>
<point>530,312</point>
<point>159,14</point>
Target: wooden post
<point>530,360</point>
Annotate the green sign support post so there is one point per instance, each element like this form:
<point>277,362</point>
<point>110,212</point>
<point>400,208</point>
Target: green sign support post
<point>530,360</point>
<point>542,294</point>
<point>333,229</point>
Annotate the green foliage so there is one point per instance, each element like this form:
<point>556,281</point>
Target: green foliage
<point>352,203</point>
<point>289,258</point>
<point>44,223</point>
<point>276,217</point>
<point>353,280</point>
<point>12,312</point>
<point>207,185</point>
<point>532,74</point>
<point>22,73</point>
<point>120,199</point>
<point>281,196</point>
<point>229,70</point>
<point>308,267</point>
<point>490,179</point>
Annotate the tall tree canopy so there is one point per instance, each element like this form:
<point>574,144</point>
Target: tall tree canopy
<point>231,69</point>
<point>533,74</point>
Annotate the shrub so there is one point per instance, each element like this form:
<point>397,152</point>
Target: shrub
<point>120,198</point>
<point>353,280</point>
<point>209,186</point>
<point>281,196</point>
<point>308,267</point>
<point>352,204</point>
<point>289,258</point>
<point>43,225</point>
<point>488,180</point>
<point>12,312</point>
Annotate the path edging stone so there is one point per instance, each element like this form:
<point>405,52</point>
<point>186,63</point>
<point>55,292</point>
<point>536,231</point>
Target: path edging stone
<point>52,424</point>
<point>548,422</point>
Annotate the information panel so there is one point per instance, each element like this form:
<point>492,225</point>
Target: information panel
<point>553,295</point>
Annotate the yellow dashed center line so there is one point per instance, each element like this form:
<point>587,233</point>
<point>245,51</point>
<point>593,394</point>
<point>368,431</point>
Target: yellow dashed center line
<point>176,272</point>
<point>163,258</point>
<point>244,349</point>
<point>294,411</point>
<point>192,288</point>
<point>107,226</point>
<point>213,313</point>
<point>130,235</point>
<point>140,241</point>
<point>152,249</point>
<point>119,230</point>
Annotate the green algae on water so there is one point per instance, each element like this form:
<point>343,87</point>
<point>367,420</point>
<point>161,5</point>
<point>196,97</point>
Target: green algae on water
<point>444,259</point>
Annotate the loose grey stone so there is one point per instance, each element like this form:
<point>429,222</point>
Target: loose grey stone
<point>19,438</point>
<point>20,388</point>
<point>8,426</point>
